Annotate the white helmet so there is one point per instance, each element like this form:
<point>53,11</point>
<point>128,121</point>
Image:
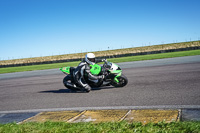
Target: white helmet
<point>90,58</point>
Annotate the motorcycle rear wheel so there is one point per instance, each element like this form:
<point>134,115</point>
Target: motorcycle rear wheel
<point>122,81</point>
<point>69,80</point>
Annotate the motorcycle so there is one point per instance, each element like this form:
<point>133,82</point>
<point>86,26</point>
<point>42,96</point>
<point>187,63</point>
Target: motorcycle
<point>111,71</point>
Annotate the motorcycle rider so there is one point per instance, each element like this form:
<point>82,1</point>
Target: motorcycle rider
<point>83,71</point>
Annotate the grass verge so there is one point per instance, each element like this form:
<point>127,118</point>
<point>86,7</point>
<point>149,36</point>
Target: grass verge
<point>116,60</point>
<point>112,127</point>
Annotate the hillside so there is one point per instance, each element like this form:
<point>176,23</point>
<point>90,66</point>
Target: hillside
<point>108,53</point>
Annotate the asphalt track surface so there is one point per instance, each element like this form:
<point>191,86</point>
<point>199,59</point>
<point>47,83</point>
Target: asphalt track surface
<point>163,82</point>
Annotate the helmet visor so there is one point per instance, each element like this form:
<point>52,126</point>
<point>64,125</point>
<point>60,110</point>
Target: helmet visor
<point>91,59</point>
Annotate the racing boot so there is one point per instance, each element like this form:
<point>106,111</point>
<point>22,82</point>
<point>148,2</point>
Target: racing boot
<point>87,88</point>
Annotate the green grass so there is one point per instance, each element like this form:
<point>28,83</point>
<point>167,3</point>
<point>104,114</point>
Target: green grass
<point>156,56</point>
<point>116,60</point>
<point>37,67</point>
<point>111,127</point>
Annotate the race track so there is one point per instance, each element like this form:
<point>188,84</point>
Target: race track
<point>158,82</point>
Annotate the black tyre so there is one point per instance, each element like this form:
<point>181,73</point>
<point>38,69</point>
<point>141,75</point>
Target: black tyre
<point>122,81</point>
<point>68,79</point>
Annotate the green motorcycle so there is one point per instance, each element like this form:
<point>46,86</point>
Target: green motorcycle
<point>111,71</point>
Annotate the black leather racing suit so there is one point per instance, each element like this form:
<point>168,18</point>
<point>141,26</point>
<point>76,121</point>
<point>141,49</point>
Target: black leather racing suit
<point>80,72</point>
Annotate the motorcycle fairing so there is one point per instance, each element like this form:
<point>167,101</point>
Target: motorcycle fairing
<point>95,69</point>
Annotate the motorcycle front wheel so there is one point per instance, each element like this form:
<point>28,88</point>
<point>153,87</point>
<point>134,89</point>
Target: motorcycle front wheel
<point>122,81</point>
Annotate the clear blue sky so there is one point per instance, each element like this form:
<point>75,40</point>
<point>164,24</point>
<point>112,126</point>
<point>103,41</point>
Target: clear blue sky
<point>32,28</point>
